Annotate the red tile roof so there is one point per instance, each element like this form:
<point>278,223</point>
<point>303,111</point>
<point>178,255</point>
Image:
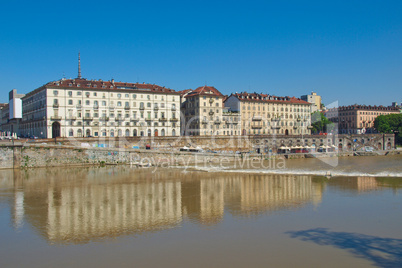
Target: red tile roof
<point>183,92</point>
<point>108,85</point>
<point>205,91</point>
<point>365,107</point>
<point>256,97</point>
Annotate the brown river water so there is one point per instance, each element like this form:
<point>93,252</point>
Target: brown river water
<point>211,215</point>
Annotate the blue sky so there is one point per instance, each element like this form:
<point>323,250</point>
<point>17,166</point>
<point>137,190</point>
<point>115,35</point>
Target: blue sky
<point>350,51</point>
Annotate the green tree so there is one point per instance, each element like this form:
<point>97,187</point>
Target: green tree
<point>391,123</point>
<point>320,123</point>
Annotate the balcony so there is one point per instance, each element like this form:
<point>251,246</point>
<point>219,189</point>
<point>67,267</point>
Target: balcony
<point>111,107</point>
<point>204,121</point>
<point>79,106</point>
<point>163,119</point>
<point>142,108</point>
<point>211,112</point>
<point>88,118</point>
<point>55,118</point>
<point>127,107</point>
<point>173,108</point>
<point>217,121</point>
<point>71,118</point>
<point>134,119</point>
<point>119,118</point>
<point>156,108</point>
<point>256,127</point>
<point>55,105</point>
<point>310,127</point>
<point>275,127</point>
<point>96,107</point>
<point>104,118</point>
<point>148,119</point>
<point>276,119</point>
<point>257,118</point>
<point>174,119</point>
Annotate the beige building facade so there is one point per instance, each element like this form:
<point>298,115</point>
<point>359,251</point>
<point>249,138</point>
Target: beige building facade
<point>204,114</point>
<point>314,99</point>
<point>265,114</point>
<point>358,119</point>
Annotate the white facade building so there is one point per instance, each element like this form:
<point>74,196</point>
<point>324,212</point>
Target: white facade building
<point>80,107</point>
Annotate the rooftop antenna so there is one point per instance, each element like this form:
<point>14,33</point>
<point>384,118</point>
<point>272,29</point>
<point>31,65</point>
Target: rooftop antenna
<point>79,65</point>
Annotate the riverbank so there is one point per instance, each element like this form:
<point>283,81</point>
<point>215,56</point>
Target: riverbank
<point>44,155</point>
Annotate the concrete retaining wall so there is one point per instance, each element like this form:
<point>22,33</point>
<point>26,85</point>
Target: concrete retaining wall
<point>119,151</point>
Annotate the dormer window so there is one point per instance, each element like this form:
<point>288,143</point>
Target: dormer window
<point>70,84</point>
<point>95,85</point>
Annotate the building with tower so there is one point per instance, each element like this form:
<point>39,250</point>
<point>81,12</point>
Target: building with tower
<point>83,108</point>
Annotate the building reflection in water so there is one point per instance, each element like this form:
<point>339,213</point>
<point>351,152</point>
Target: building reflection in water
<point>80,205</point>
<point>361,184</point>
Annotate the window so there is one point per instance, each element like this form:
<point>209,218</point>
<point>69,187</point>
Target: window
<point>148,104</point>
<point>134,96</point>
<point>87,102</point>
<point>79,93</point>
<point>119,95</point>
<point>70,93</point>
<point>119,103</point>
<point>55,92</point>
<point>95,94</point>
<point>70,102</point>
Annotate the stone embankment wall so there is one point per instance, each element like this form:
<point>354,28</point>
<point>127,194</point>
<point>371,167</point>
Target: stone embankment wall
<point>343,142</point>
<point>64,152</point>
<point>61,156</point>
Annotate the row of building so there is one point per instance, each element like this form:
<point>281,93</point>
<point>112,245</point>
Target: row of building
<point>80,107</point>
<point>95,108</point>
<point>358,119</point>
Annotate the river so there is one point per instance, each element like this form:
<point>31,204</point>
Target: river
<point>230,215</point>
